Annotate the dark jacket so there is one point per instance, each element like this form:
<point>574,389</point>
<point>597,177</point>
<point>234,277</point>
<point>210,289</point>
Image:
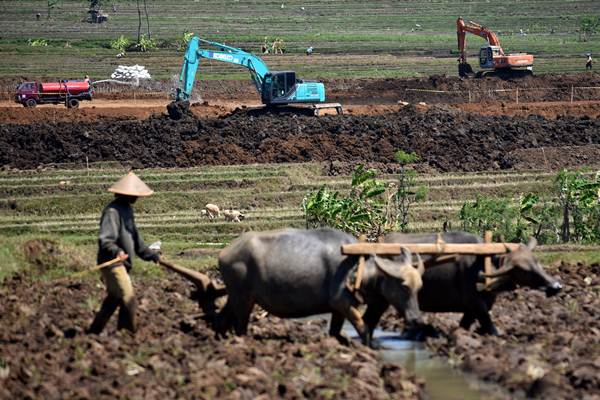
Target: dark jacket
<point>119,233</point>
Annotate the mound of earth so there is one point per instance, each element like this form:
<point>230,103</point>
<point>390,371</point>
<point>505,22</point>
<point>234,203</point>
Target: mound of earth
<point>44,354</point>
<point>547,348</point>
<point>445,139</point>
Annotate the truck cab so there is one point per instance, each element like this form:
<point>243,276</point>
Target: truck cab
<point>27,94</point>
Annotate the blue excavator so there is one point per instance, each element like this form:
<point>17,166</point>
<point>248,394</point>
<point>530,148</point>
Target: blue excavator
<point>276,88</point>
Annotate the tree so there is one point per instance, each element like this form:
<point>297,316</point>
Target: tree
<point>588,26</point>
<point>407,191</point>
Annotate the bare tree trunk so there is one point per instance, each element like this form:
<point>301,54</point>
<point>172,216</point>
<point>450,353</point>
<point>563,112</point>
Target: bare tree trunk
<point>147,20</point>
<point>139,21</point>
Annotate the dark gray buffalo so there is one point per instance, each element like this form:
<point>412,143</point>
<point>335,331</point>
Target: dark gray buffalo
<point>297,273</point>
<point>452,285</point>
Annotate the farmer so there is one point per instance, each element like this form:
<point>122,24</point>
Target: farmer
<point>264,48</point>
<point>87,78</point>
<point>588,64</point>
<point>119,237</point>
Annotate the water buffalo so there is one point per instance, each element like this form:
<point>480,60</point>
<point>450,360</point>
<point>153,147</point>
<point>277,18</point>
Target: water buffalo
<point>451,284</point>
<point>297,273</point>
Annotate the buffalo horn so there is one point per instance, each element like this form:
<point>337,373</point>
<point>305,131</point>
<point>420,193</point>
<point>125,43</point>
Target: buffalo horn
<point>532,243</point>
<point>420,265</point>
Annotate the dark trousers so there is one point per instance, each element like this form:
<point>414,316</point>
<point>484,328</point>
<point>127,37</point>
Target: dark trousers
<point>588,65</point>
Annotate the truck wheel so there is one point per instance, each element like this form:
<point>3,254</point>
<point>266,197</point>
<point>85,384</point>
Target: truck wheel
<point>30,103</point>
<point>72,103</point>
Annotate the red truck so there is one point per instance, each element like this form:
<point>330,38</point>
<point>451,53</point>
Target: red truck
<point>70,93</point>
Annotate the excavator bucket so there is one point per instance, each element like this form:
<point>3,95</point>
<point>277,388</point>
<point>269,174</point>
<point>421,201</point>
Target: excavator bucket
<point>465,70</point>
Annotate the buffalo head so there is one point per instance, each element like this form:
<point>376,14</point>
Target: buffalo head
<point>521,268</point>
<point>398,282</point>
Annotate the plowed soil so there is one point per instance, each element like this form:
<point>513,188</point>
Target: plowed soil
<point>44,354</point>
<point>446,139</point>
<point>548,347</point>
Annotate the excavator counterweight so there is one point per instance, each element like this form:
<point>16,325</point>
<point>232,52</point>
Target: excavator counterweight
<point>491,56</point>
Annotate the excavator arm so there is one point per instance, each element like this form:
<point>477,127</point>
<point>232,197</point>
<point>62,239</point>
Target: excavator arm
<point>471,27</point>
<point>258,69</point>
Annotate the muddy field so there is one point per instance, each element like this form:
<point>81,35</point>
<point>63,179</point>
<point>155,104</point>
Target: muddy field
<point>446,139</point>
<point>548,347</point>
<point>45,354</point>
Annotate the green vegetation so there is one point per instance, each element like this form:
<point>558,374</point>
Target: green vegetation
<point>570,212</point>
<point>362,211</point>
<point>121,44</point>
<point>146,43</point>
<point>589,26</point>
<point>378,39</point>
<point>37,42</point>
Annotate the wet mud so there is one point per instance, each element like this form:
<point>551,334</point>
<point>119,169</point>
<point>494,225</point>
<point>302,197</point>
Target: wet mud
<point>446,139</point>
<point>45,354</point>
<point>547,348</point>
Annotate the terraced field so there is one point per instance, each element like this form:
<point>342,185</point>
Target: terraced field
<point>351,38</point>
<point>37,204</point>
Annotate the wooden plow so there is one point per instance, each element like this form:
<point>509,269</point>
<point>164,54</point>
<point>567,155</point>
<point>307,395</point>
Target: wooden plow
<point>443,251</point>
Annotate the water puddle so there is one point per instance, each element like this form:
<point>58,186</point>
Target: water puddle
<point>442,381</point>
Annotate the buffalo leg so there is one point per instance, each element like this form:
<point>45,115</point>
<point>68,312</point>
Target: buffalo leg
<point>241,309</point>
<point>223,320</point>
<point>373,315</point>
<point>353,315</point>
<point>335,328</point>
<point>467,320</point>
<point>486,326</point>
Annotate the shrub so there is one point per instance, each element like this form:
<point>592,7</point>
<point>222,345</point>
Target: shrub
<point>185,39</point>
<point>146,43</point>
<point>120,44</point>
<point>37,42</point>
<point>360,212</point>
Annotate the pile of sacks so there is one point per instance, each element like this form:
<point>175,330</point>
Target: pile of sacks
<point>131,72</point>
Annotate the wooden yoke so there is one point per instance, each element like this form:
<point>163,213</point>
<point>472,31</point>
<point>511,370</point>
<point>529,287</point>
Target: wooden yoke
<point>487,261</point>
<point>361,265</point>
<point>485,249</point>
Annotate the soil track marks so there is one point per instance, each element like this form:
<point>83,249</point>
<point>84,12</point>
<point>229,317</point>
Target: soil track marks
<point>547,348</point>
<point>446,139</point>
<point>44,354</point>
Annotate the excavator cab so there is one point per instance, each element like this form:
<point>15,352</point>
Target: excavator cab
<point>486,56</point>
<point>278,87</point>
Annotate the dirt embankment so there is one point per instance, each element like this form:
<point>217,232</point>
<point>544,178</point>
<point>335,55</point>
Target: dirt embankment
<point>446,140</point>
<point>369,90</point>
<point>44,354</point>
<point>548,347</point>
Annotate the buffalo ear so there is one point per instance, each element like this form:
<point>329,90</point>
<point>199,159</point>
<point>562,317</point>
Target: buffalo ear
<point>389,267</point>
<point>532,243</point>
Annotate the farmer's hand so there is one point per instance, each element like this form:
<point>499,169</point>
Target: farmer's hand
<point>122,256</point>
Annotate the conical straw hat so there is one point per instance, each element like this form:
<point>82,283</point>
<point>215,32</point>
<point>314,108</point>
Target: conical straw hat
<point>131,185</point>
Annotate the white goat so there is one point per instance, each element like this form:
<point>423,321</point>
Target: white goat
<point>233,215</point>
<point>211,211</point>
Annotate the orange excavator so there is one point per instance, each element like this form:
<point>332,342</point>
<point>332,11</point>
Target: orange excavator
<point>491,57</point>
